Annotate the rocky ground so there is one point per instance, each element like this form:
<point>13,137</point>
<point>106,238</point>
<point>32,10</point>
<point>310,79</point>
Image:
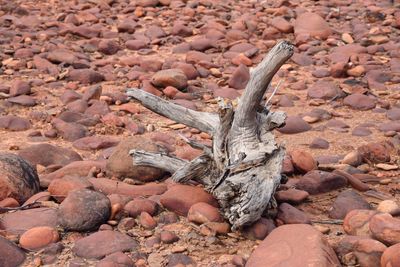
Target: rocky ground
<point>64,69</point>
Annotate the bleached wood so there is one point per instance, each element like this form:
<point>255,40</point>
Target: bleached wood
<point>204,121</point>
<point>243,169</point>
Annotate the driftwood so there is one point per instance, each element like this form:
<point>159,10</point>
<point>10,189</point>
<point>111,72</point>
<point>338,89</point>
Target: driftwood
<point>242,169</point>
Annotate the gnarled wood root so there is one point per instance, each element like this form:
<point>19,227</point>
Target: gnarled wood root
<point>243,168</point>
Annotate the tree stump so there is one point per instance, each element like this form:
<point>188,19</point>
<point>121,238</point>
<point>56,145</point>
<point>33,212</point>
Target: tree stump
<point>242,169</point>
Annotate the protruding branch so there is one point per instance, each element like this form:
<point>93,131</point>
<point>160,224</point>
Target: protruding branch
<point>260,78</point>
<point>157,160</point>
<point>204,121</point>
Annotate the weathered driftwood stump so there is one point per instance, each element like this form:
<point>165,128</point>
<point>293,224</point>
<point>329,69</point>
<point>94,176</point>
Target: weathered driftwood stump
<point>242,169</point>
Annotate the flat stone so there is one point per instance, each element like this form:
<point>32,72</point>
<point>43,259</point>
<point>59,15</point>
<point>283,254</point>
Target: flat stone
<point>360,102</point>
<point>47,154</point>
<point>294,124</point>
<point>347,201</point>
<point>103,243</point>
<point>294,245</point>
<point>21,221</point>
<point>316,182</point>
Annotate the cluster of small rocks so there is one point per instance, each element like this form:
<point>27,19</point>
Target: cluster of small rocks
<point>70,194</point>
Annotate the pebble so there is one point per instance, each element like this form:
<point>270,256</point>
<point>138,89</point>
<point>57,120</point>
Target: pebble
<point>180,198</point>
<point>356,222</point>
<point>385,228</point>
<point>303,161</point>
<point>391,256</point>
<point>203,212</point>
<point>38,237</point>
<point>103,243</point>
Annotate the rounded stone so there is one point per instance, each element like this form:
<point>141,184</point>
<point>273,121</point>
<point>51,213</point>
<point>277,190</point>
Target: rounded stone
<point>84,210</point>
<point>18,179</point>
<point>38,237</point>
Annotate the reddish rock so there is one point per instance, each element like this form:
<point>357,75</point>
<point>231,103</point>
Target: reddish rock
<point>179,198</point>
<point>188,69</point>
<point>58,56</point>
<point>97,108</point>
<point>76,168</point>
<point>18,179</point>
<point>135,44</point>
<point>282,24</point>
<point>103,243</point>
<point>108,47</point>
<point>14,123</point>
<point>8,203</point>
<point>385,228</point>
<point>59,188</point>
<point>168,237</point>
<point>293,125</point>
<point>374,152</point>
<point>367,251</point>
<point>11,255</point>
<point>120,163</point>
<point>313,25</point>
<point>117,187</point>
<point>127,25</point>
<point>319,143</point>
<point>294,245</point>
<point>260,229</point>
<point>94,142</point>
<point>292,196</point>
<point>20,88</point>
<point>356,222</point>
<point>180,29</point>
<point>291,215</point>
<point>360,102</point>
<point>135,207</point>
<point>202,44</point>
<point>179,259</point>
<point>117,259</point>
<point>147,221</point>
<point>44,66</point>
<point>303,161</point>
<point>324,90</point>
<point>229,93</point>
<point>47,154</point>
<point>203,212</point>
<point>69,131</point>
<point>93,92</point>
<point>347,201</point>
<point>338,70</point>
<point>21,221</point>
<point>239,77</point>
<point>170,77</point>
<point>391,256</point>
<point>38,197</point>
<point>84,210</point>
<point>85,76</point>
<point>316,182</point>
<point>196,57</point>
<point>38,238</point>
